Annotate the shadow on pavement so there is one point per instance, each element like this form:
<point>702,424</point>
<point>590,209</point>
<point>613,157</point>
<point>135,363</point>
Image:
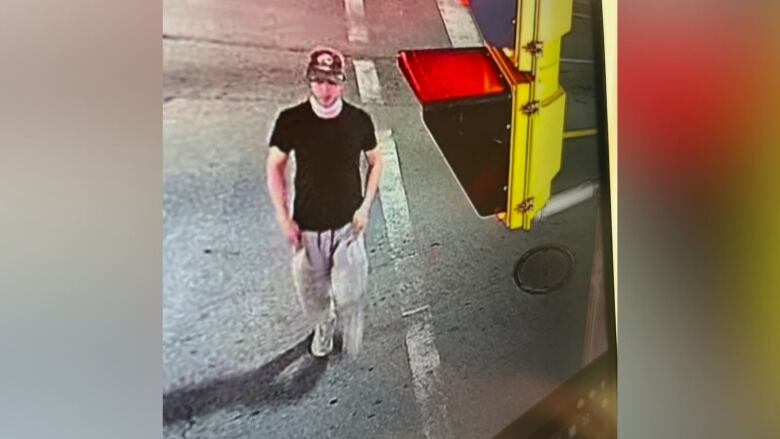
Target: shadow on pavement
<point>252,389</point>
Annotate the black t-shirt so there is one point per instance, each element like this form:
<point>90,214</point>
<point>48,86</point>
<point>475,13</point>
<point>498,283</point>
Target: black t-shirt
<point>327,156</point>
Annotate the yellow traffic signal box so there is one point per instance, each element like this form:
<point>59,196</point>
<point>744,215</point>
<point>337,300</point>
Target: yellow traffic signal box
<point>496,113</point>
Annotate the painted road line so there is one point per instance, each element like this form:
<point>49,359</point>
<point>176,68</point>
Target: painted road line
<point>577,61</point>
<point>392,194</point>
<point>421,349</point>
<point>356,21</point>
<point>368,82</point>
<point>412,312</point>
<point>424,362</point>
<point>459,24</point>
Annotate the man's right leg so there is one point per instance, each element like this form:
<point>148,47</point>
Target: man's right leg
<point>350,278</point>
<point>311,274</point>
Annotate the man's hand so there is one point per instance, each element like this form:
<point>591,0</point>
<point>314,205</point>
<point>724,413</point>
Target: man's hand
<point>293,233</point>
<point>360,219</point>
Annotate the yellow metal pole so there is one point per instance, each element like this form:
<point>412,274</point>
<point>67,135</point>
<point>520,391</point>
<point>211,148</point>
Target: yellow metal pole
<point>576,134</point>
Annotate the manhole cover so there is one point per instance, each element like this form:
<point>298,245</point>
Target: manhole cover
<point>544,269</point>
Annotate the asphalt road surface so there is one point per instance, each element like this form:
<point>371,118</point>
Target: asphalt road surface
<point>476,354</point>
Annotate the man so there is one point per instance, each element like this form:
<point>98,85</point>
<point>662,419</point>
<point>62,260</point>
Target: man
<point>330,211</point>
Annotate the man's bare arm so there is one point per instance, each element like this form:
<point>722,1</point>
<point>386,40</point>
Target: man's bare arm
<point>277,184</point>
<point>276,167</point>
<point>375,166</point>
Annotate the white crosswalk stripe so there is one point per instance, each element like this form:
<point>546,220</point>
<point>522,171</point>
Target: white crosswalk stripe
<point>356,21</point>
<point>424,362</point>
<point>368,82</point>
<point>395,206</point>
<point>459,24</point>
<point>420,344</point>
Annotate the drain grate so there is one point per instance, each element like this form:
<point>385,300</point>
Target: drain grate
<point>544,269</point>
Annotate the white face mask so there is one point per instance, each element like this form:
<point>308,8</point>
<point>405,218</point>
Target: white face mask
<point>326,112</point>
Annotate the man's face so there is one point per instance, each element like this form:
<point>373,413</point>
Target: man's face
<point>326,92</point>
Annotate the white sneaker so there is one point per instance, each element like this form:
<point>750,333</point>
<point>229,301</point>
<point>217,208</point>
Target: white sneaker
<point>322,342</point>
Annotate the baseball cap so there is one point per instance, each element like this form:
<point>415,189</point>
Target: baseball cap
<point>325,63</point>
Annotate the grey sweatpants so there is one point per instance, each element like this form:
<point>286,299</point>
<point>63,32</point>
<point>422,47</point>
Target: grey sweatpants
<point>330,272</point>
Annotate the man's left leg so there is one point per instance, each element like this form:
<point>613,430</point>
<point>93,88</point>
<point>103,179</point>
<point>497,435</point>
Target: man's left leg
<point>349,278</point>
<point>311,273</point>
